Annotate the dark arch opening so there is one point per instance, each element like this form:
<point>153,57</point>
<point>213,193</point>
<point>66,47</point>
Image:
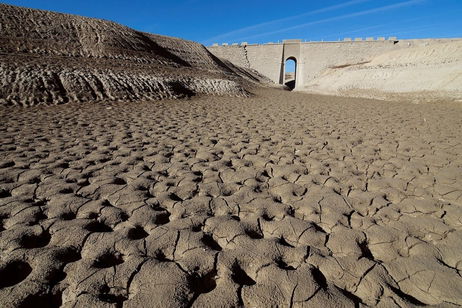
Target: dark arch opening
<point>290,73</point>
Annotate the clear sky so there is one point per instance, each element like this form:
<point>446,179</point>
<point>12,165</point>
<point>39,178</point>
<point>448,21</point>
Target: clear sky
<point>261,21</point>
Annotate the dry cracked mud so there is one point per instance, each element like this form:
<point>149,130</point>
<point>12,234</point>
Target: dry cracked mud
<point>282,199</point>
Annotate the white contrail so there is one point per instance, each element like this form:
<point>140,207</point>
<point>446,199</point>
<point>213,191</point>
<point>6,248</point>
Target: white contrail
<point>356,14</point>
<point>271,22</point>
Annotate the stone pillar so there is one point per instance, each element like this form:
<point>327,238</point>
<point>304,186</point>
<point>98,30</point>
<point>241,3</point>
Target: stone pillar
<point>299,70</point>
<point>283,72</point>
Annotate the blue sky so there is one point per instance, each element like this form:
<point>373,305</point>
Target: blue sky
<point>261,21</point>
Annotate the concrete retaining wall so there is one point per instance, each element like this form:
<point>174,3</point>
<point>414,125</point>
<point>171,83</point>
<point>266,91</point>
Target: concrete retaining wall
<point>266,59</point>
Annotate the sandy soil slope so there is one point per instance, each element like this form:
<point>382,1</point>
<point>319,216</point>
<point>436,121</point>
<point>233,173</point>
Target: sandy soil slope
<point>283,199</point>
<point>54,58</point>
<point>428,71</point>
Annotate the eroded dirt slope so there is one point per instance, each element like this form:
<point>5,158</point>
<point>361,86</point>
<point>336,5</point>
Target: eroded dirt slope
<point>54,58</point>
<point>283,199</point>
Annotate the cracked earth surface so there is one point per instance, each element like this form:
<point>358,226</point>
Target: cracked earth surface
<point>283,199</point>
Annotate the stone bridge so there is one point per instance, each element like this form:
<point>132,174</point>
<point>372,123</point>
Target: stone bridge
<point>311,58</point>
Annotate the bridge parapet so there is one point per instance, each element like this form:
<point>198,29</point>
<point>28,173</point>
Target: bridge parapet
<point>299,41</point>
<point>291,41</point>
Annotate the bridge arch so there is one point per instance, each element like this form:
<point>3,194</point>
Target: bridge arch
<point>291,51</point>
<point>290,72</point>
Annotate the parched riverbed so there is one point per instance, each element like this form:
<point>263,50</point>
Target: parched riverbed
<point>283,199</point>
